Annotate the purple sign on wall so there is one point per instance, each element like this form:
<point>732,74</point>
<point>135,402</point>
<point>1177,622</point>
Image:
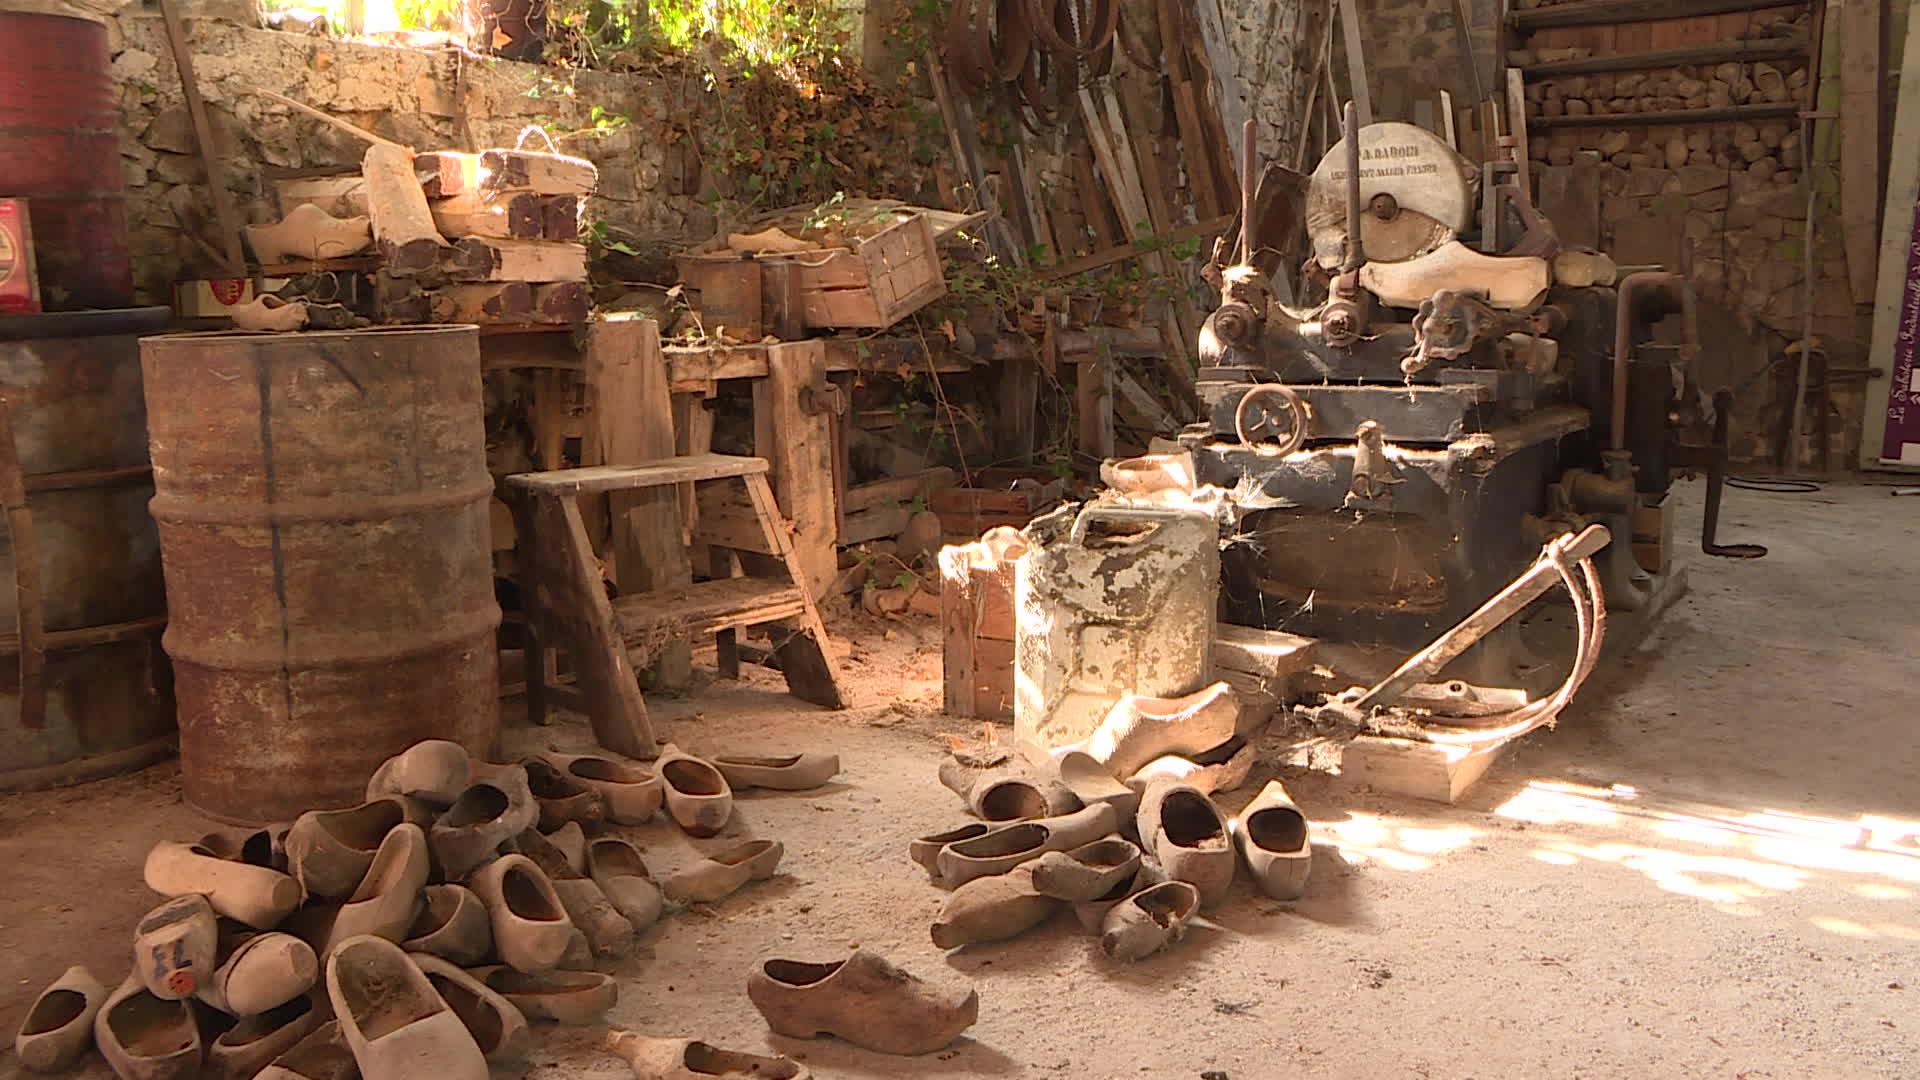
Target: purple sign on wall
<point>1902,442</point>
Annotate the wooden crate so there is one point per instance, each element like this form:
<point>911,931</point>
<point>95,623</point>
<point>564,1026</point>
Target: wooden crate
<point>874,284</point>
<point>976,618</point>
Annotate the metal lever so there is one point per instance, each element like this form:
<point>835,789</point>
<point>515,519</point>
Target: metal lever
<point>1716,463</point>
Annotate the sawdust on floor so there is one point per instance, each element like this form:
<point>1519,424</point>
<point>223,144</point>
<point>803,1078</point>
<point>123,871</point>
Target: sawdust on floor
<point>1710,869</point>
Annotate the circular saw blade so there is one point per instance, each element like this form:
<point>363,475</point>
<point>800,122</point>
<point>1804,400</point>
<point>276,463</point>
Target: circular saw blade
<point>1432,187</point>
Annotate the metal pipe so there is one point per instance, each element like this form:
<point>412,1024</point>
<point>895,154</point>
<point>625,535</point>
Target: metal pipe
<point>1249,132</point>
<point>1676,290</point>
<point>1350,134</point>
<point>1792,461</point>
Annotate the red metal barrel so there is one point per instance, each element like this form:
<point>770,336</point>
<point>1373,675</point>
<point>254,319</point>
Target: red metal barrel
<point>60,150</point>
<point>322,505</point>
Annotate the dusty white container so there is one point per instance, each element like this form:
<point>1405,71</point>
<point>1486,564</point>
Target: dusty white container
<point>1109,600</point>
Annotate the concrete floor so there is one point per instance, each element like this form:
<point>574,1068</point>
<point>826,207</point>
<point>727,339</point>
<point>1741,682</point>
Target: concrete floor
<point>1710,869</point>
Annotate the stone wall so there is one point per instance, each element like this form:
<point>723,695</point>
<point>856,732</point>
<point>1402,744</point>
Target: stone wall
<point>1275,44</point>
<point>424,98</point>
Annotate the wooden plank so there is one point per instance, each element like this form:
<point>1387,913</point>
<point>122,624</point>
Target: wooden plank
<point>1354,40</point>
<point>1102,210</point>
<point>602,478</point>
<point>1762,111</point>
<point>1419,770</point>
<point>798,446</point>
<point>876,523</point>
<point>1193,139</point>
<point>1144,411</point>
<point>1570,198</point>
<point>1719,52</point>
<point>224,213</point>
<point>1860,111</point>
<point>1517,124</point>
<point>725,518</point>
<point>899,489</point>
<point>1596,12</point>
<point>630,423</point>
<point>702,607</point>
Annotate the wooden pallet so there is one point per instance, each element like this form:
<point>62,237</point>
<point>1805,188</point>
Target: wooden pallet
<point>567,605</point>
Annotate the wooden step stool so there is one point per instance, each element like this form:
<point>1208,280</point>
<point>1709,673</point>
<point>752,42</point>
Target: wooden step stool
<point>567,606</point>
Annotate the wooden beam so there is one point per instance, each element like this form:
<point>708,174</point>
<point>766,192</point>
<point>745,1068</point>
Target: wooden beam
<point>1860,91</point>
<point>1603,12</point>
<point>1517,123</point>
<point>1667,116</point>
<point>224,212</point>
<point>798,446</point>
<point>1718,52</point>
<point>630,420</point>
<point>1356,62</point>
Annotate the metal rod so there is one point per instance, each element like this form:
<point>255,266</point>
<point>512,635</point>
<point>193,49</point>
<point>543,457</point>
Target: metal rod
<point>1248,154</point>
<point>1350,134</point>
<point>1503,605</point>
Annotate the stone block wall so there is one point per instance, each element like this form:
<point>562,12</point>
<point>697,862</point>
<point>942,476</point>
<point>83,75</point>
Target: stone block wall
<point>1275,44</point>
<point>424,98</point>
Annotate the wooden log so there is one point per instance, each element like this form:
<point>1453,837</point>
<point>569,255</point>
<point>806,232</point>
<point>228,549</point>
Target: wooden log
<point>476,258</point>
<point>1666,116</point>
<point>483,304</point>
<point>445,173</point>
<point>1712,53</point>
<point>514,215</point>
<point>565,302</point>
<point>402,222</point>
<point>560,217</point>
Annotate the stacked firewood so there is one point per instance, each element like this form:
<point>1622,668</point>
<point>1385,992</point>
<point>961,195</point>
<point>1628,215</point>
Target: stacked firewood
<point>489,237</point>
<point>1672,89</point>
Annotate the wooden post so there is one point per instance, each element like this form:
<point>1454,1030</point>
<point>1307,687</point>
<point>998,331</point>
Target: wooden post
<point>1860,86</point>
<point>1093,394</point>
<point>1019,393</point>
<point>224,211</point>
<point>631,423</point>
<point>798,446</point>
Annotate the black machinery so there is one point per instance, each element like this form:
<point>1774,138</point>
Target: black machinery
<point>1400,450</point>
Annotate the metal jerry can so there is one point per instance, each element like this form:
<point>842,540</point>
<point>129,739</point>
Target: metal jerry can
<point>1109,601</point>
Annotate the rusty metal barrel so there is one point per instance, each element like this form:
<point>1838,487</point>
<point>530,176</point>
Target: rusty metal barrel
<point>322,506</point>
<point>71,384</point>
<point>60,150</point>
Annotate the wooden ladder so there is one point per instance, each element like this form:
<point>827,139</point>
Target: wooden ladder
<point>567,606</point>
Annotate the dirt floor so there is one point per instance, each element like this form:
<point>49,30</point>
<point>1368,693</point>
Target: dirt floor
<point>1709,869</point>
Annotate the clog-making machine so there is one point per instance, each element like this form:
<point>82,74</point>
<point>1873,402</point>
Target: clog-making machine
<point>1401,447</point>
